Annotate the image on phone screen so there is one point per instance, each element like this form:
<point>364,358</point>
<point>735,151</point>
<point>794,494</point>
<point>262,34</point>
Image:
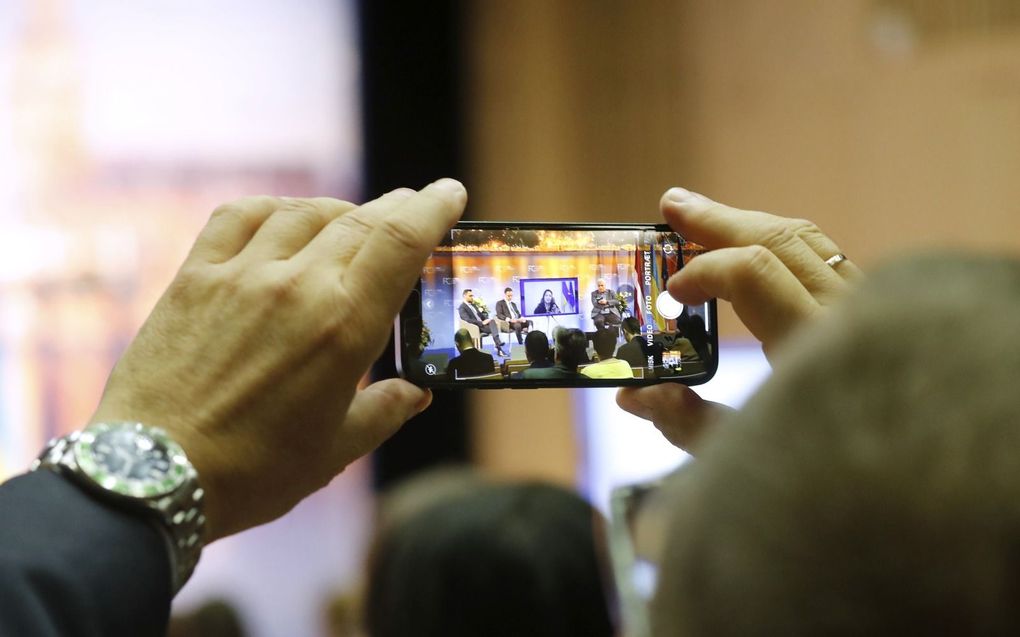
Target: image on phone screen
<point>533,305</point>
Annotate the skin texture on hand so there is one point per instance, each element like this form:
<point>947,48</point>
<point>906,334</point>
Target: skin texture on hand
<point>252,357</point>
<point>771,269</point>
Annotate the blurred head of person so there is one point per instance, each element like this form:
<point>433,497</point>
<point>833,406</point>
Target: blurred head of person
<point>872,486</point>
<point>462,339</point>
<point>631,327</point>
<point>536,346</point>
<point>214,618</point>
<point>571,346</point>
<point>605,344</point>
<point>500,560</point>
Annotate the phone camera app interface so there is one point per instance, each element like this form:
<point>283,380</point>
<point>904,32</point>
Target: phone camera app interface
<point>553,304</point>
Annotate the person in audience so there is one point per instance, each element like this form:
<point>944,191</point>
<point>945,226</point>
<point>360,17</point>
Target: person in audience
<point>507,310</point>
<point>691,336</point>
<point>871,486</point>
<point>469,361</point>
<point>636,350</point>
<point>536,348</point>
<point>470,314</point>
<point>547,305</point>
<point>570,347</point>
<point>605,307</point>
<point>215,618</point>
<point>607,366</point>
<point>493,559</point>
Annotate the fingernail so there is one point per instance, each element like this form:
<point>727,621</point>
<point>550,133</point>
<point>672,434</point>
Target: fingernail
<point>451,186</point>
<point>679,195</point>
<point>401,192</point>
<point>425,401</point>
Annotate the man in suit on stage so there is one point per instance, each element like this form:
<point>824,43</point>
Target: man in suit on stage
<point>605,308</point>
<point>470,362</point>
<point>468,312</point>
<point>506,310</point>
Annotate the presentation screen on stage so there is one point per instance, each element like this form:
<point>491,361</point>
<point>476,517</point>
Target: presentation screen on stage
<point>548,297</point>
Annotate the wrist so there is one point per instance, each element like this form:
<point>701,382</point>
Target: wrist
<point>141,470</point>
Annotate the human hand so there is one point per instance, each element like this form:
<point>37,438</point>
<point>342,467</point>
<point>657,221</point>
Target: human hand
<point>772,269</point>
<point>252,357</point>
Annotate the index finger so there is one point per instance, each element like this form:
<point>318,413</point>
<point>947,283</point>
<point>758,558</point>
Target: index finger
<point>766,296</point>
<point>800,244</point>
<point>391,258</point>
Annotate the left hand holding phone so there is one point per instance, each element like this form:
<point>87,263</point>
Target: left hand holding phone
<point>778,273</point>
<point>252,357</point>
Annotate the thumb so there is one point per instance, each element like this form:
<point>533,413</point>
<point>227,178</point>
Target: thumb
<point>677,411</point>
<point>376,413</point>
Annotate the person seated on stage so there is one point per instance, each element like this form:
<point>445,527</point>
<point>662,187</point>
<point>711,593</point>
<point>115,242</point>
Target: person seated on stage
<point>536,348</point>
<point>547,305</point>
<point>605,307</point>
<point>506,310</point>
<point>469,313</point>
<point>570,352</point>
<point>636,350</point>
<point>608,366</point>
<point>470,361</point>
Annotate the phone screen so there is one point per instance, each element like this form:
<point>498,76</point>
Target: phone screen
<point>555,305</point>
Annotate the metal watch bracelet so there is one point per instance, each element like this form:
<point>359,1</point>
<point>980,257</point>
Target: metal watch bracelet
<point>177,515</point>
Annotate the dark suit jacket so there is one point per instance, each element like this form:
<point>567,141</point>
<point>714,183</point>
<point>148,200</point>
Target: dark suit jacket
<point>636,352</point>
<point>471,362</point>
<point>613,307</point>
<point>467,315</point>
<point>503,312</point>
<point>71,566</point>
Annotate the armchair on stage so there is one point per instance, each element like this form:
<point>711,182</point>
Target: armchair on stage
<point>476,334</point>
<point>504,325</point>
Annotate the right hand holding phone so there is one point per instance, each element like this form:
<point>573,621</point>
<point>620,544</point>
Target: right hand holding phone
<point>776,273</point>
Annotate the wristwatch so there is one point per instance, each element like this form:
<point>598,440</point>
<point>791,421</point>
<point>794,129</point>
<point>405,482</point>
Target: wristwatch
<point>140,469</point>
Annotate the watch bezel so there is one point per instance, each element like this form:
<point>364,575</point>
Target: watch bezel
<point>84,455</point>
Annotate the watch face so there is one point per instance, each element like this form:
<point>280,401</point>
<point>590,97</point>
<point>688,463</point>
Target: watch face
<point>131,459</point>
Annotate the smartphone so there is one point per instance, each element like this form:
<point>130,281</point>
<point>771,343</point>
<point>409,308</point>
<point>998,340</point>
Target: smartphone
<point>527,305</point>
<point>637,532</point>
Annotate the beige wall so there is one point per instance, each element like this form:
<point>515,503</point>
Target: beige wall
<point>893,128</point>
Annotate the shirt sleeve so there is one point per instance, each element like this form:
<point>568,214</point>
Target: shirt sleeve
<point>72,566</point>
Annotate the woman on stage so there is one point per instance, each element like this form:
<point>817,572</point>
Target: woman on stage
<point>547,305</point>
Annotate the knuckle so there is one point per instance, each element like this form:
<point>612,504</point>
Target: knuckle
<point>805,227</point>
<point>240,207</point>
<point>304,212</point>
<point>755,262</point>
<point>779,237</point>
<point>329,203</point>
<point>402,234</point>
<point>356,221</point>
